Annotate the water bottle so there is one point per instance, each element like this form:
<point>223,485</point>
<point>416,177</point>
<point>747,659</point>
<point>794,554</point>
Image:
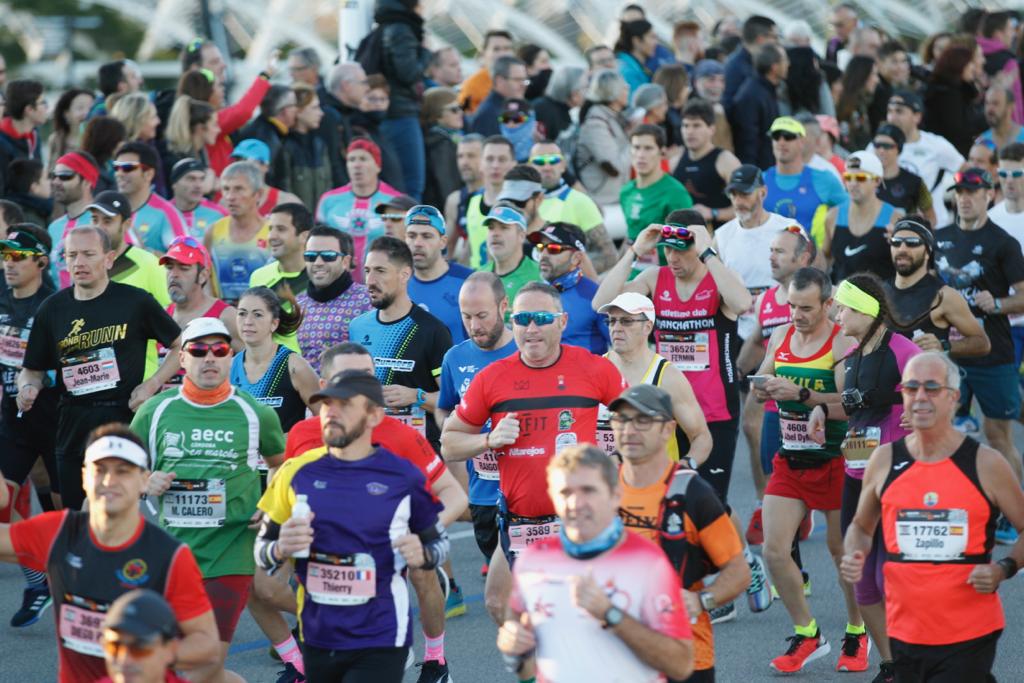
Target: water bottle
<point>301,510</point>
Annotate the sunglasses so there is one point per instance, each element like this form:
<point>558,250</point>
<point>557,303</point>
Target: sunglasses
<point>897,242</point>
<point>798,231</point>
<point>541,318</point>
<point>328,255</point>
<point>18,256</point>
<point>63,176</point>
<point>552,248</point>
<point>515,119</point>
<point>424,210</point>
<point>188,241</point>
<point>137,650</point>
<point>676,231</point>
<point>972,178</point>
<point>784,135</point>
<point>884,145</point>
<point>857,177</point>
<point>127,166</point>
<point>1017,173</point>
<point>200,349</point>
<point>931,387</point>
<point>546,160</point>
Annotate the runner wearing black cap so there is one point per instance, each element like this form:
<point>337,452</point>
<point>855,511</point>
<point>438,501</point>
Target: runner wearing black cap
<point>141,639</point>
<point>984,263</point>
<point>901,188</point>
<point>133,265</point>
<point>392,214</point>
<point>188,181</point>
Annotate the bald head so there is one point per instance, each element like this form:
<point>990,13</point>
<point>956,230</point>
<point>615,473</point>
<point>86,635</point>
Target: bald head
<point>483,304</point>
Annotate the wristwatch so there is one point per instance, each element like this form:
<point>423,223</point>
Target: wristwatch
<point>997,305</point>
<point>612,617</point>
<point>706,254</point>
<point>707,601</point>
<point>805,394</point>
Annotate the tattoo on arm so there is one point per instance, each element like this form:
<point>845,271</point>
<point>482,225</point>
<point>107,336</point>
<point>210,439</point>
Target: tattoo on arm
<point>600,248</point>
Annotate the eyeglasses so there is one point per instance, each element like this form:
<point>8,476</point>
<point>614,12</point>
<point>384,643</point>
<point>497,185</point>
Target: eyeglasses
<point>552,248</point>
<point>136,650</point>
<point>63,176</point>
<point>525,81</point>
<point>858,177</point>
<point>546,160</point>
<point>931,387</point>
<point>200,349</point>
<point>972,178</point>
<point>541,318</point>
<point>641,423</point>
<point>514,118</point>
<point>128,166</point>
<point>884,145</point>
<point>897,242</point>
<point>676,231</point>
<point>18,256</point>
<point>392,217</point>
<point>784,135</point>
<point>328,255</point>
<point>625,322</point>
<point>1016,173</point>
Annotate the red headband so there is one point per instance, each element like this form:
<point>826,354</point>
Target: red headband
<point>367,146</point>
<point>82,166</point>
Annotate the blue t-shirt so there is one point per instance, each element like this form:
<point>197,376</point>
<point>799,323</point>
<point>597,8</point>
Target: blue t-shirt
<point>990,141</point>
<point>586,328</point>
<point>805,197</point>
<point>440,298</point>
<point>462,363</point>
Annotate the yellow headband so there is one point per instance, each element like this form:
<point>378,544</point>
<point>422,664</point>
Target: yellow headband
<point>852,296</point>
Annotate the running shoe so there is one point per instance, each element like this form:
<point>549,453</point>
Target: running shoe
<point>290,675</point>
<point>722,614</point>
<point>755,532</point>
<point>854,653</point>
<point>967,425</point>
<point>886,673</point>
<point>454,604</point>
<point>433,671</point>
<point>807,525</point>
<point>801,651</point>
<point>759,592</point>
<point>1005,533</point>
<point>34,602</point>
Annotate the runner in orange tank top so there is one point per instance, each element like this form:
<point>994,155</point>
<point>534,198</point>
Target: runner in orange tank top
<point>937,495</point>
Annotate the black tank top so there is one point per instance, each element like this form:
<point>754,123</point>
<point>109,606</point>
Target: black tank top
<point>85,579</point>
<point>903,191</point>
<point>875,375</point>
<point>702,180</point>
<point>869,252</point>
<point>910,307</point>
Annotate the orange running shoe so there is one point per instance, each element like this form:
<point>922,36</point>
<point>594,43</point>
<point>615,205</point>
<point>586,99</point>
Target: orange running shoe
<point>802,650</point>
<point>855,651</point>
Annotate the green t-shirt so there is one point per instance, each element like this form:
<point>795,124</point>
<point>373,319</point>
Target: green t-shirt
<point>527,271</point>
<point>652,203</point>
<point>571,206</point>
<point>214,452</point>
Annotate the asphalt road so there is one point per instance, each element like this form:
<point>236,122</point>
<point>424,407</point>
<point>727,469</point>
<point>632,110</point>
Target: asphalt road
<point>744,646</point>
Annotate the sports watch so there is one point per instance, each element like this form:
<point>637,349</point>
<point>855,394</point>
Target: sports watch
<point>706,254</point>
<point>612,617</point>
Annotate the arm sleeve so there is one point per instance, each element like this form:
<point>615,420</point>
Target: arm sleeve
<point>474,409</point>
<point>662,608</point>
<point>33,538</point>
<point>448,397</point>
<point>271,436</point>
<point>237,115</point>
<point>184,591</point>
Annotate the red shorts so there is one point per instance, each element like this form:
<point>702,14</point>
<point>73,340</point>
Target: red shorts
<point>228,595</point>
<point>820,488</point>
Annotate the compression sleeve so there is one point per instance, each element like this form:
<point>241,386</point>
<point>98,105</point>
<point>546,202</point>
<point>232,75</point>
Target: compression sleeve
<point>435,545</point>
<point>263,548</point>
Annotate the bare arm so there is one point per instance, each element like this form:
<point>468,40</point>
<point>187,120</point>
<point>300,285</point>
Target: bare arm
<point>733,579</point>
<point>670,656</point>
<point>600,248</point>
<point>830,231</point>
<point>229,316</point>
<point>451,219</point>
<point>688,414</point>
<point>957,313</point>
<point>460,440</point>
<point>616,280</point>
<point>168,369</point>
<point>447,490</point>
<point>736,298</point>
<point>752,352</point>
<point>303,377</point>
<point>200,646</point>
<point>1003,488</point>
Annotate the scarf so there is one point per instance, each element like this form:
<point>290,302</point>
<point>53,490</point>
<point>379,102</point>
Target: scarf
<point>31,138</point>
<point>521,137</point>
<point>331,291</point>
<point>567,281</point>
<point>205,397</point>
<point>603,542</point>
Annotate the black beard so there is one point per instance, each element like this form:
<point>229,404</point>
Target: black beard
<point>494,335</point>
<point>909,269</point>
<point>385,302</point>
<point>346,437</point>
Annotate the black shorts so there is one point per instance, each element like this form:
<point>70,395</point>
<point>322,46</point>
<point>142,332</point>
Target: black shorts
<point>485,528</point>
<point>73,426</point>
<point>970,660</point>
<point>26,439</point>
<point>369,665</point>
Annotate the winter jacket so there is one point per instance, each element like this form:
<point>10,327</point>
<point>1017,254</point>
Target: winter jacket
<point>405,58</point>
<point>752,113</point>
<point>603,140</point>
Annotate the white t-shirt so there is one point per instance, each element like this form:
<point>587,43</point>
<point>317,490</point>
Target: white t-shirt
<point>1012,223</point>
<point>747,252</point>
<point>822,164</point>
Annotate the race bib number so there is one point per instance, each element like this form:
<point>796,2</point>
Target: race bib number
<point>91,372</point>
<point>13,341</point>
<point>486,465</point>
<point>688,352</point>
<point>932,535</point>
<point>522,535</point>
<point>858,446</point>
<point>411,417</point>
<point>195,503</point>
<point>795,433</point>
<point>81,630</point>
<point>345,580</point>
<point>605,436</point>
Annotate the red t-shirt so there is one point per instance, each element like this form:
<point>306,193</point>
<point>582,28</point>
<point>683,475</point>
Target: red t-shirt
<point>399,438</point>
<point>32,540</point>
<point>556,407</point>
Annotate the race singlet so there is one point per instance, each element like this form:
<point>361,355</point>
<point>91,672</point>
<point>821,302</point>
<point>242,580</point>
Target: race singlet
<point>932,535</point>
<point>81,625</point>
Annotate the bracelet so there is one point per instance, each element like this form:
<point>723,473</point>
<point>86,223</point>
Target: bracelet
<point>997,305</point>
<point>421,398</point>
<point>1009,566</point>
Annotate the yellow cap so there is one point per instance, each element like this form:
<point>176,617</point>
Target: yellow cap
<point>787,124</point>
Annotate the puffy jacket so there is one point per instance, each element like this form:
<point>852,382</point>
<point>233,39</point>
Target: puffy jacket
<point>603,140</point>
<point>405,58</point>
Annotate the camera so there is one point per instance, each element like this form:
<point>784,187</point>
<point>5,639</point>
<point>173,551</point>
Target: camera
<point>852,400</point>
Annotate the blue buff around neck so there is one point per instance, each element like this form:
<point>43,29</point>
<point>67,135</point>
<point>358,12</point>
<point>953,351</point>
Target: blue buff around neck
<point>595,546</point>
